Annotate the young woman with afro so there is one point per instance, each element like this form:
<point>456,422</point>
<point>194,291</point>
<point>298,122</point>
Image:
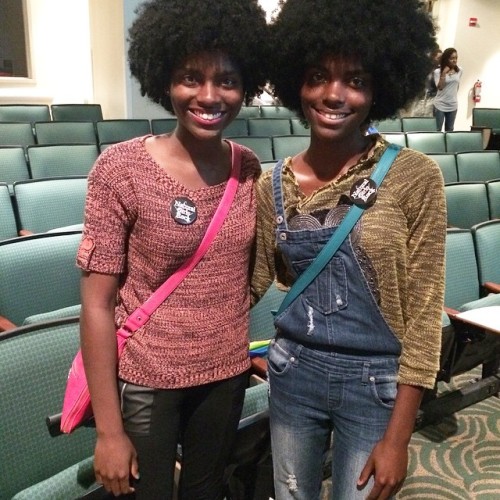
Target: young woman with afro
<point>354,352</point>
<point>182,376</point>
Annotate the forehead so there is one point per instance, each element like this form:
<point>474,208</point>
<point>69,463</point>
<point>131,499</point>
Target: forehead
<point>217,62</point>
<point>340,63</point>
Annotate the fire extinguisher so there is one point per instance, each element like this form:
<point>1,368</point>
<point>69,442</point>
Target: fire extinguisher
<point>476,91</point>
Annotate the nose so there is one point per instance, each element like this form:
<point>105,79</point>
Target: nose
<point>208,93</point>
<point>334,92</point>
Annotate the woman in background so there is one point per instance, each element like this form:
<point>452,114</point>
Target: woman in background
<point>447,79</point>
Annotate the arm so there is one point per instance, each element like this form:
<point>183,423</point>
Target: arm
<point>388,461</point>
<point>441,82</point>
<point>115,456</point>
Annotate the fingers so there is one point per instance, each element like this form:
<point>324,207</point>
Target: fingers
<point>384,490</point>
<point>119,485</point>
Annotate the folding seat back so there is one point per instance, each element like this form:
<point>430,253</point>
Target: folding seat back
<point>478,165</point>
<point>389,125</point>
<point>261,146</point>
<point>426,142</point>
<point>289,145</point>
<point>398,138</point>
<point>163,125</point>
<point>493,189</point>
<point>467,204</point>
<point>24,113</point>
<point>8,226</point>
<point>299,128</point>
<point>238,127</point>
<point>486,117</point>
<point>448,164</point>
<point>269,126</point>
<point>464,140</point>
<point>13,164</point>
<point>249,112</point>
<point>112,131</point>
<point>419,124</point>
<point>276,112</point>
<point>65,133</point>
<point>34,363</point>
<point>487,244</point>
<point>261,314</point>
<point>61,160</point>
<point>76,112</point>
<point>45,204</point>
<point>38,275</point>
<point>16,134</point>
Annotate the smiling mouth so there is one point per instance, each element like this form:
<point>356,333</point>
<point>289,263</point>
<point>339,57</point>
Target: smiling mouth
<point>207,116</point>
<point>333,116</point>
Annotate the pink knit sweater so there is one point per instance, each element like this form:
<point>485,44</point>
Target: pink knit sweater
<point>200,334</point>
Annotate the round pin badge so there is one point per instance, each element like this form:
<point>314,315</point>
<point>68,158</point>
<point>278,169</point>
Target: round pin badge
<point>363,192</point>
<point>183,210</point>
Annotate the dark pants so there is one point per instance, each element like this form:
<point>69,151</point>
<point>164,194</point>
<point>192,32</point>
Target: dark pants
<point>202,419</point>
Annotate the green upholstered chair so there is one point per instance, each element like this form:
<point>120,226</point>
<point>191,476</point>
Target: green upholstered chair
<point>487,245</point>
<point>389,125</point>
<point>486,117</point>
<point>276,112</point>
<point>419,124</point>
<point>398,138</point>
<point>464,140</point>
<point>493,190</point>
<point>261,314</point>
<point>238,127</point>
<point>478,165</point>
<point>269,126</point>
<point>289,145</point>
<point>426,142</point>
<point>8,226</point>
<point>448,164</point>
<point>467,204</point>
<point>61,160</point>
<point>45,204</point>
<point>249,112</point>
<point>261,146</point>
<point>65,133</point>
<point>299,128</point>
<point>39,275</point>
<point>13,165</point>
<point>112,131</point>
<point>34,364</point>
<point>266,165</point>
<point>163,125</point>
<point>24,113</point>
<point>16,134</point>
<point>76,112</point>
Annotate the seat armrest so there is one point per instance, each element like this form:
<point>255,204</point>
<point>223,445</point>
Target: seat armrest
<point>25,232</point>
<point>259,367</point>
<point>492,287</point>
<point>6,324</point>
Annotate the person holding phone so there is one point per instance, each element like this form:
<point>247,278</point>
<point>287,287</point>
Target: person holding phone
<point>447,79</point>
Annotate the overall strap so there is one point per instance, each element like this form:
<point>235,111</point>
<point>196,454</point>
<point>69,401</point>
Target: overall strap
<point>142,314</point>
<point>340,234</point>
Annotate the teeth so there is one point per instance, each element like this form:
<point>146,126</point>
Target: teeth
<point>209,116</point>
<point>332,116</point>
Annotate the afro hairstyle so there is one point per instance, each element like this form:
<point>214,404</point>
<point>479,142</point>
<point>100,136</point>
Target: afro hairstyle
<point>165,32</point>
<point>391,38</point>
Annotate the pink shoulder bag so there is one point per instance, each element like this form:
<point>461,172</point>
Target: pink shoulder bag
<point>77,407</point>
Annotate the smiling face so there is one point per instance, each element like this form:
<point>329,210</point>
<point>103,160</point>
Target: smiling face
<point>206,94</point>
<point>336,98</point>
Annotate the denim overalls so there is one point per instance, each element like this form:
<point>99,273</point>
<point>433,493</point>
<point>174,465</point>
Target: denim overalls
<point>333,364</point>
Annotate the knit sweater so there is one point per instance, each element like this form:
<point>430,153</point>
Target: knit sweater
<point>200,333</point>
<point>403,236</point>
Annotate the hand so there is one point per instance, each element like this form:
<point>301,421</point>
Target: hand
<point>388,463</point>
<point>115,460</point>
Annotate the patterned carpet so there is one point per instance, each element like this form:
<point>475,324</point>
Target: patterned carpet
<point>457,458</point>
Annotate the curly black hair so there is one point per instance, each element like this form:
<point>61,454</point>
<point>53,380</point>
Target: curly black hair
<point>165,32</point>
<point>391,38</point>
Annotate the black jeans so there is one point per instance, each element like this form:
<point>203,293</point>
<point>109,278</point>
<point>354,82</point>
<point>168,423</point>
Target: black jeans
<point>202,419</point>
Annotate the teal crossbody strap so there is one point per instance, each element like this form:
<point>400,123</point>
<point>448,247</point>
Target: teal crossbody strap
<point>340,234</point>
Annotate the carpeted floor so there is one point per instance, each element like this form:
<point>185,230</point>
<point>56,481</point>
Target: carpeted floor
<point>457,458</point>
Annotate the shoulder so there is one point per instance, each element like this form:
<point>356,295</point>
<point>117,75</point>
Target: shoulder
<point>250,163</point>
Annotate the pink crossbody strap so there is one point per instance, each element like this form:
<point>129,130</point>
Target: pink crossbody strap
<point>142,314</point>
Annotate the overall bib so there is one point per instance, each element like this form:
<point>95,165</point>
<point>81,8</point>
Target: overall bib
<point>333,364</point>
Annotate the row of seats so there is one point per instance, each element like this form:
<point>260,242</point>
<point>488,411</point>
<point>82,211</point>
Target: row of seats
<point>468,165</point>
<point>43,112</point>
<point>41,205</point>
<point>407,124</point>
<point>438,142</point>
<point>469,203</point>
